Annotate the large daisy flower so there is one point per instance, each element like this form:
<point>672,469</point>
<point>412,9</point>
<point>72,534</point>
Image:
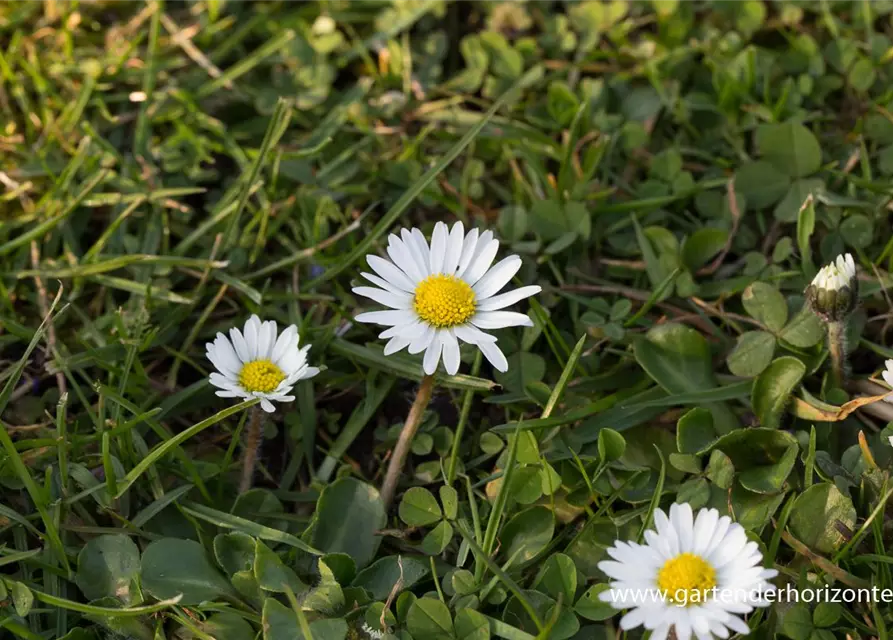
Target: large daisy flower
<point>696,575</point>
<point>443,293</point>
<point>259,362</point>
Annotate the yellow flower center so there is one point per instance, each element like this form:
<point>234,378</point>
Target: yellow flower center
<point>261,375</point>
<point>444,301</point>
<point>686,579</point>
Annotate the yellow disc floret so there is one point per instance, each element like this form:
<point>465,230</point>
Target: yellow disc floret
<point>686,579</point>
<point>260,376</point>
<point>444,301</point>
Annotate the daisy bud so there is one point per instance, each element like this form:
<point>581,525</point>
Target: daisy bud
<point>834,292</point>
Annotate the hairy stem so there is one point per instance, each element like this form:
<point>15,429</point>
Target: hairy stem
<point>837,349</point>
<point>413,420</point>
<point>252,444</point>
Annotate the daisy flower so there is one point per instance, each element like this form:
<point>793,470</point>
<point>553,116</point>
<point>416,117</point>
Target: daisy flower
<point>834,291</point>
<point>259,362</point>
<point>696,575</point>
<point>442,293</point>
<point>836,275</point>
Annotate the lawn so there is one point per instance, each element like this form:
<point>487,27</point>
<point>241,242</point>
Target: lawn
<point>445,320</point>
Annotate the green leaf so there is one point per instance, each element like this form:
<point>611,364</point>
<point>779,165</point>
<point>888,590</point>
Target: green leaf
<point>348,517</point>
<point>558,577</point>
<point>826,614</point>
<point>766,304</point>
<point>702,245</point>
<point>279,622</point>
<point>796,622</point>
<point>720,469</point>
<point>678,359</point>
<point>471,625</point>
<point>761,184</point>
<point>524,368</point>
<point>816,515</point>
<point>590,607</point>
<point>773,388</point>
<point>771,478</point>
<point>527,533</point>
<point>22,598</point>
<point>449,498</point>
<point>271,574</point>
<point>695,431</point>
<point>437,539</point>
<point>804,330</point>
<point>429,618</point>
<point>234,551</point>
<point>788,209</point>
<point>107,565</point>
<point>857,231</point>
<point>611,445</point>
<point>381,576</point>
<point>171,567</point>
<point>228,625</point>
<point>326,595</point>
<point>419,508</point>
<point>752,353</point>
<point>790,147</point>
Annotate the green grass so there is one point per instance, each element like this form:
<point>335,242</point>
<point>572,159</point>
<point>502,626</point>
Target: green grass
<point>672,174</point>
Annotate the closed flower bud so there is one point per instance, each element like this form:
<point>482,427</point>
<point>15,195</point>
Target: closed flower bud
<point>834,292</point>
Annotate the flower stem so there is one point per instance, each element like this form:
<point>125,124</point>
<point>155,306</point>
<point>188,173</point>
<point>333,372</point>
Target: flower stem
<point>413,420</point>
<point>252,444</point>
<point>837,349</point>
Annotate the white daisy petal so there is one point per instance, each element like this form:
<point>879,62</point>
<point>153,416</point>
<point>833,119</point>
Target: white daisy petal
<point>382,283</point>
<point>423,249</point>
<point>494,356</point>
<point>418,254</point>
<point>390,272</point>
<point>469,246</point>
<point>423,340</point>
<point>403,258</point>
<point>483,258</point>
<point>288,339</point>
<point>500,320</point>
<point>472,335</point>
<point>240,345</point>
<point>438,247</point>
<point>388,299</point>
<point>252,336</point>
<point>432,356</point>
<point>454,248</point>
<point>497,277</point>
<point>387,318</point>
<point>508,298</point>
<point>451,356</point>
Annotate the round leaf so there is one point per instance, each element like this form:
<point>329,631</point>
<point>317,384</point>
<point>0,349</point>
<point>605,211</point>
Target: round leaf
<point>106,567</point>
<point>766,304</point>
<point>429,618</point>
<point>349,514</point>
<point>761,184</point>
<point>611,445</point>
<point>590,607</point>
<point>419,508</point>
<point>171,567</point>
<point>527,533</point>
<point>790,147</point>
<point>752,353</point>
<point>816,515</point>
<point>471,625</point>
<point>773,388</point>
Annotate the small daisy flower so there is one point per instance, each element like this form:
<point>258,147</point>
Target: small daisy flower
<point>695,575</point>
<point>442,293</point>
<point>259,362</point>
<point>834,291</point>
